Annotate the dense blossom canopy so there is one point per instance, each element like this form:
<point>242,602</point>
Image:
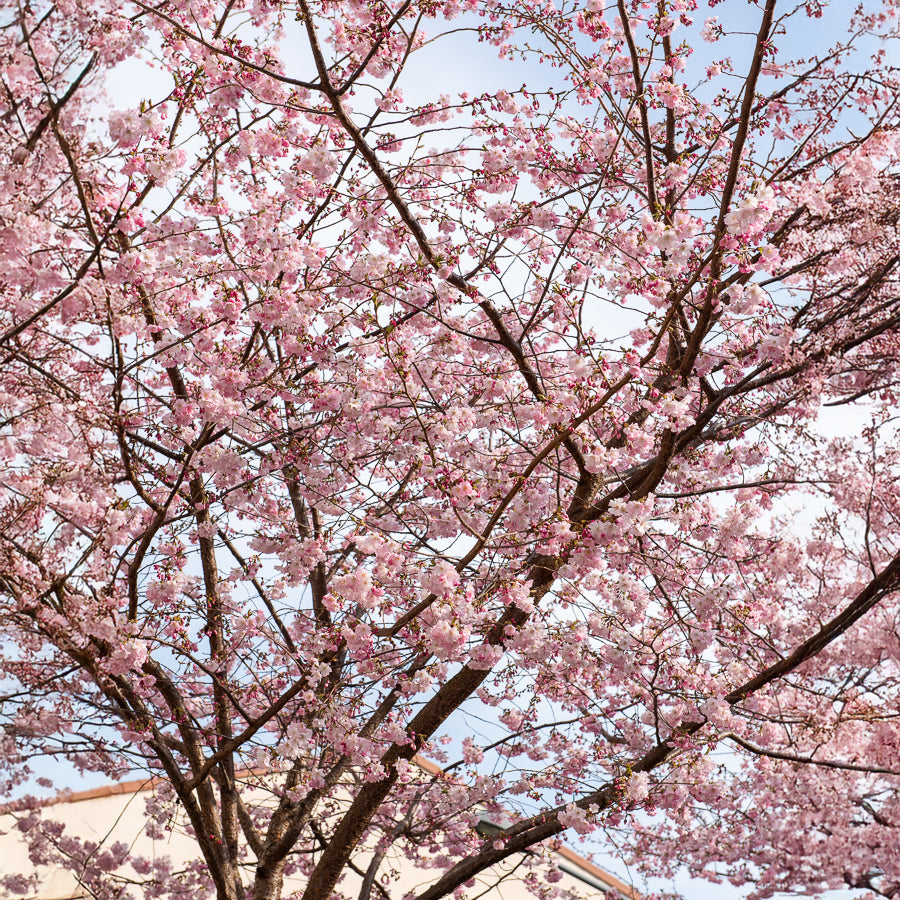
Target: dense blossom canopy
<point>350,413</point>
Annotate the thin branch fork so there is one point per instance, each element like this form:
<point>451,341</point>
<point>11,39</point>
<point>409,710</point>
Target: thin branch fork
<point>542,826</point>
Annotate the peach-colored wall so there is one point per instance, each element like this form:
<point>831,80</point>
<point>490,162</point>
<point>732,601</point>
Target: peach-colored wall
<point>117,813</point>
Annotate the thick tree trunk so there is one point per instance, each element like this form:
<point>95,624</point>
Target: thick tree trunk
<point>268,882</point>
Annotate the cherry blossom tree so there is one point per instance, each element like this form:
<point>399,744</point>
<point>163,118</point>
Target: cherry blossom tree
<point>349,416</point>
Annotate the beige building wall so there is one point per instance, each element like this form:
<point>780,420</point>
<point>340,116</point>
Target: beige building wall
<point>117,813</point>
